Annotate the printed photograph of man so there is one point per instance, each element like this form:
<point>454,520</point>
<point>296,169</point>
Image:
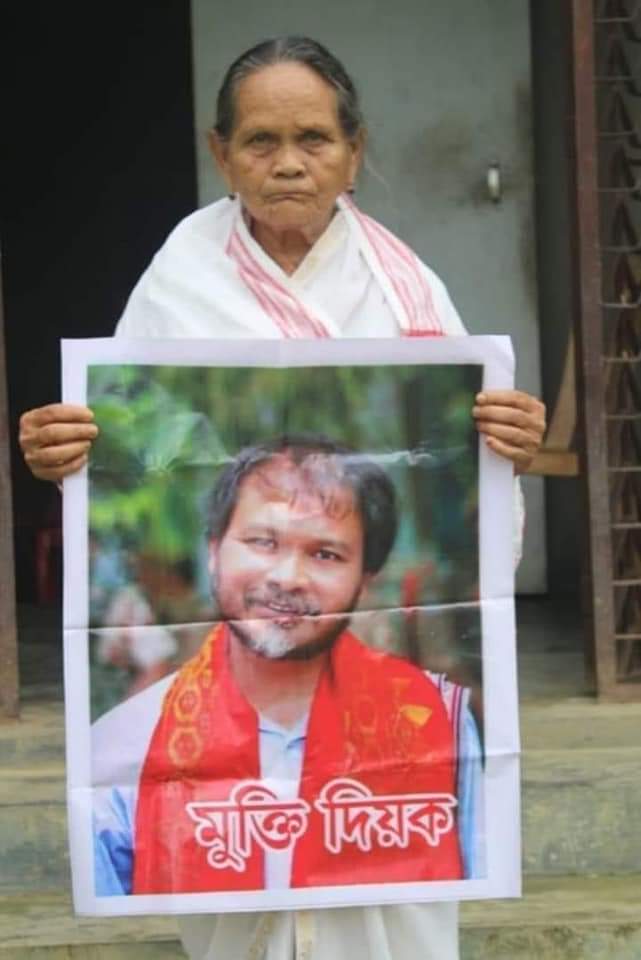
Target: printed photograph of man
<point>286,752</point>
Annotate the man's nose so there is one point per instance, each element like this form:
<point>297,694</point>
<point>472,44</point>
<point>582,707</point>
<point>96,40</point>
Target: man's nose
<point>288,571</point>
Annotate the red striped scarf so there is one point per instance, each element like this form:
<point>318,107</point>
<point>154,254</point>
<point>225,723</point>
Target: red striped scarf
<point>399,264</point>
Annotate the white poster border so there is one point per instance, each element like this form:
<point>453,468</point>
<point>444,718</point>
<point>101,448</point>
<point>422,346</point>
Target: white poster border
<point>496,559</point>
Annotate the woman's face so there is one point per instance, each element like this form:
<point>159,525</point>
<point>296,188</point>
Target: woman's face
<point>287,158</point>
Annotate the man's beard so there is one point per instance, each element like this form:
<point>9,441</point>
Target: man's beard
<point>274,643</point>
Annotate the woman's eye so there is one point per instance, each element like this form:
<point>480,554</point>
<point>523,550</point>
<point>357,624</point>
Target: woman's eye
<point>263,543</point>
<point>260,139</point>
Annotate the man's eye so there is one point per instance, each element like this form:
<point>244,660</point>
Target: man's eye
<point>313,137</point>
<point>263,543</point>
<point>328,555</point>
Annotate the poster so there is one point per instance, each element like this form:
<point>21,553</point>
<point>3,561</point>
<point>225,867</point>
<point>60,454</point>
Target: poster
<point>289,628</point>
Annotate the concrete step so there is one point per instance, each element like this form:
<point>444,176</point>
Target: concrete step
<point>581,811</point>
<point>102,951</point>
<point>580,786</point>
<point>42,927</point>
<point>560,918</point>
<point>581,814</point>
<point>33,821</point>
<point>37,737</point>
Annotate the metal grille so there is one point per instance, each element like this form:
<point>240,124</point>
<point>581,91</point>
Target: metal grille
<point>618,100</point>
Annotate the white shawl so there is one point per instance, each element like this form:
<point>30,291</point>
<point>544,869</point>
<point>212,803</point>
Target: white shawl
<point>211,279</point>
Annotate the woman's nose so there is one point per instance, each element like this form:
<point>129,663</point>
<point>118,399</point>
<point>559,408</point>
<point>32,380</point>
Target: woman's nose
<point>288,162</point>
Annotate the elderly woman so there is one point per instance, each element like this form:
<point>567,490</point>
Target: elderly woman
<point>288,254</point>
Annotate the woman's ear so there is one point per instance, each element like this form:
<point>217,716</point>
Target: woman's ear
<point>358,151</point>
<point>219,151</point>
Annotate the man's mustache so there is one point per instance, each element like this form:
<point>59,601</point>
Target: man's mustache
<point>282,601</point>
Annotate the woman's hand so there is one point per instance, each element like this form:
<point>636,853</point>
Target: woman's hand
<point>55,439</point>
<point>513,424</point>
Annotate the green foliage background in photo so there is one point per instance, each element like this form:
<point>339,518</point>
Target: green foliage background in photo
<point>166,430</point>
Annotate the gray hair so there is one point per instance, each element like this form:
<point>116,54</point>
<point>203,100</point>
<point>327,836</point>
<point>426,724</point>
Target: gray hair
<point>292,49</point>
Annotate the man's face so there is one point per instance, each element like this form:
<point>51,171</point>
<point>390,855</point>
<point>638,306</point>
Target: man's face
<point>289,567</point>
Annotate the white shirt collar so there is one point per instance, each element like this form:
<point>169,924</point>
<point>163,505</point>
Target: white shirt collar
<point>297,732</point>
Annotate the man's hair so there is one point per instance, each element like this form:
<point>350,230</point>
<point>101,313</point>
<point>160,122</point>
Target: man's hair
<point>326,465</point>
<point>291,49</point>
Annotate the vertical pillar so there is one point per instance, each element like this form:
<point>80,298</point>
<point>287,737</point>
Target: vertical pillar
<point>589,340</point>
<point>8,633</point>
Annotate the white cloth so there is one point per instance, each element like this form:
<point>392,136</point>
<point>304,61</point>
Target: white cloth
<point>192,289</point>
<point>405,932</point>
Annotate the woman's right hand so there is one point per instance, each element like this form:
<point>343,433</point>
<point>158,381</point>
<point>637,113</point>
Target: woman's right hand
<point>55,439</point>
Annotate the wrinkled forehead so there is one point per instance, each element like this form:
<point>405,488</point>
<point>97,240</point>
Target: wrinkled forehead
<point>315,485</point>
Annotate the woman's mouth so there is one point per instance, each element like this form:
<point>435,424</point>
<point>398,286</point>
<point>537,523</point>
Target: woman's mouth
<point>289,195</point>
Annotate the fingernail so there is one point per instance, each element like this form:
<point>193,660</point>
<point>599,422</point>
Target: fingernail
<point>480,398</point>
<point>476,411</point>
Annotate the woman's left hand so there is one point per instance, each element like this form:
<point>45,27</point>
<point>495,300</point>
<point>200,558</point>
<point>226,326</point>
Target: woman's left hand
<point>513,424</point>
